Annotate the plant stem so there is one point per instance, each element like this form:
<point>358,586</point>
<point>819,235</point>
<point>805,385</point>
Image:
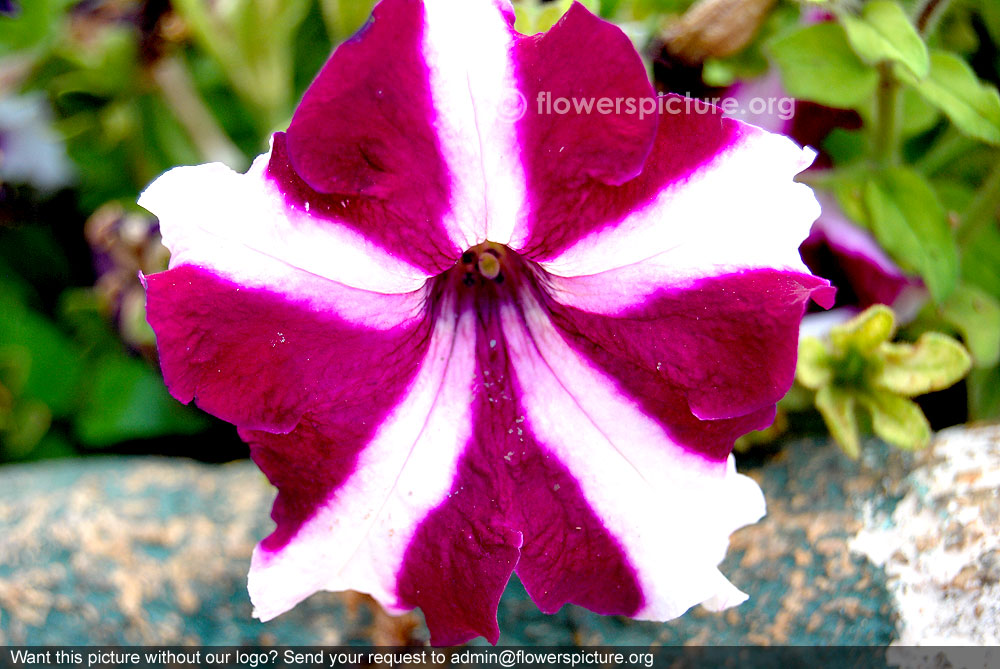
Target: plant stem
<point>179,91</point>
<point>983,209</point>
<point>928,14</point>
<point>886,140</point>
<point>218,40</point>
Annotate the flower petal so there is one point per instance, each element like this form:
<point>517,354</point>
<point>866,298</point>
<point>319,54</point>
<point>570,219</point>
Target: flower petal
<point>850,256</point>
<point>691,351</point>
<point>429,435</point>
<point>573,155</point>
<point>364,145</point>
<point>467,47</point>
<point>267,362</point>
<point>429,128</point>
<point>437,126</point>
<point>670,512</point>
<point>716,196</point>
<point>240,226</point>
<point>509,493</point>
<point>357,537</point>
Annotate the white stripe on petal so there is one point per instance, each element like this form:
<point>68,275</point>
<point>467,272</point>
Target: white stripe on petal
<point>467,48</point>
<point>239,226</point>
<point>671,511</point>
<point>739,211</point>
<point>357,540</point>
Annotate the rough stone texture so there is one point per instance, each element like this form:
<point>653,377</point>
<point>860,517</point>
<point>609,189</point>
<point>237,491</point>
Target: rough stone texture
<point>155,551</point>
<point>940,545</point>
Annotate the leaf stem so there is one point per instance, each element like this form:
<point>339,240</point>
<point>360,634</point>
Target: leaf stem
<point>174,82</point>
<point>983,209</point>
<point>928,14</point>
<point>886,140</point>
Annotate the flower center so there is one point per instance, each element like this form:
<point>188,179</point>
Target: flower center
<point>484,262</point>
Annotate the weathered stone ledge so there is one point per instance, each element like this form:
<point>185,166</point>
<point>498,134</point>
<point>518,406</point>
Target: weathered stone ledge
<point>155,551</point>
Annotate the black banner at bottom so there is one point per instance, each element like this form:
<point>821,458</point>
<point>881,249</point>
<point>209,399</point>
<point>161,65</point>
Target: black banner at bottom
<point>604,657</point>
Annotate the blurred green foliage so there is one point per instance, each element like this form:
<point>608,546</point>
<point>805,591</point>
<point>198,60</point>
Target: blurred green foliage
<point>139,86</point>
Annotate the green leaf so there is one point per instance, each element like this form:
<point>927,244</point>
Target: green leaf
<point>37,23</point>
<point>934,363</point>
<point>849,189</point>
<point>990,12</point>
<point>534,17</point>
<point>979,260</point>
<point>955,196</point>
<point>813,368</point>
<point>910,223</point>
<point>897,420</point>
<point>818,64</point>
<point>984,394</point>
<point>744,65</point>
<point>127,400</point>
<point>837,408</point>
<point>883,33</point>
<point>976,314</point>
<point>952,86</point>
<point>51,359</point>
<point>918,115</point>
<point>28,423</point>
<point>956,31</point>
<point>866,331</point>
<point>846,146</point>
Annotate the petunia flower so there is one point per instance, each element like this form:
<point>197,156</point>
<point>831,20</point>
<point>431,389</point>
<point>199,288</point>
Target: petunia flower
<point>466,337</point>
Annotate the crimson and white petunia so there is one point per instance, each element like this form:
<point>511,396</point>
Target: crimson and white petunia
<point>465,337</point>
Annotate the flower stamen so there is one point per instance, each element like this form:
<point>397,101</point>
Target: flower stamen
<point>486,260</point>
<point>489,264</point>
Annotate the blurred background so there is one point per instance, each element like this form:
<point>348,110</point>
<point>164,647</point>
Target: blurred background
<point>98,97</point>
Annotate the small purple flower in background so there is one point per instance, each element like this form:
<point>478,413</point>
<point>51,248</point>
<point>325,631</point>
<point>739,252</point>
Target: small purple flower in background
<point>863,273</point>
<point>765,103</point>
<point>31,151</point>
<point>9,8</point>
<point>462,345</point>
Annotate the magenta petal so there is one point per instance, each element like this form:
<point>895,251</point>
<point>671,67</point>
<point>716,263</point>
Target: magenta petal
<point>509,493</point>
<point>572,148</point>
<point>564,210</point>
<point>362,144</point>
<point>461,557</point>
<point>568,556</point>
<point>365,126</point>
<point>617,482</point>
<point>234,349</point>
<point>722,348</point>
